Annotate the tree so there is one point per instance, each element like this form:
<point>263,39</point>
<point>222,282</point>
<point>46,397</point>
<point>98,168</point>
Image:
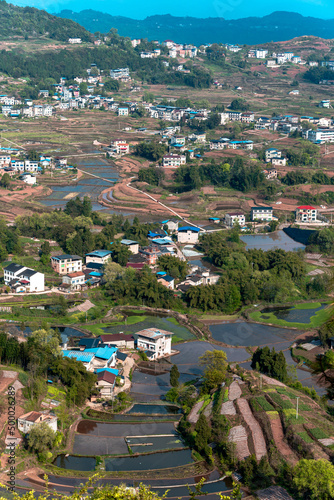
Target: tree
<point>203,433</point>
<point>112,270</point>
<point>314,479</point>
<point>5,180</point>
<point>174,266</point>
<point>41,438</point>
<point>215,366</point>
<point>174,376</point>
<point>47,340</point>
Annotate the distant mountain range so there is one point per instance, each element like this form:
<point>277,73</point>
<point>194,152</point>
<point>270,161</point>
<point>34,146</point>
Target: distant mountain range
<point>278,26</point>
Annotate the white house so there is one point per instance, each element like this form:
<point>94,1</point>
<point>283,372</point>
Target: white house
<point>278,162</point>
<point>28,420</point>
<point>74,40</point>
<point>156,343</point>
<point>28,178</point>
<point>235,217</point>
<point>188,234</point>
<point>73,281</point>
<point>123,111</point>
<point>23,278</point>
<point>173,160</point>
<point>98,256</point>
<point>306,213</point>
<point>262,213</point>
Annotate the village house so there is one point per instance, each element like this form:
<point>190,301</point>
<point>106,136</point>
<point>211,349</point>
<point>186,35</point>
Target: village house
<point>172,225</point>
<point>94,358</point>
<point>23,279</point>
<point>120,74</point>
<point>240,145</point>
<point>28,420</point>
<point>306,213</point>
<point>64,264</point>
<point>98,256</point>
<point>173,160</point>
<point>235,217</point>
<point>133,246</point>
<point>105,384</point>
<point>272,153</point>
<point>120,340</point>
<point>166,280</point>
<point>155,343</point>
<point>278,162</point>
<point>188,234</point>
<point>177,139</point>
<point>74,40</point>
<point>73,281</point>
<point>123,111</point>
<point>270,173</point>
<point>262,213</point>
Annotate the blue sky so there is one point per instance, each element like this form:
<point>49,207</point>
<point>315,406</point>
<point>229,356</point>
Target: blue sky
<point>229,9</point>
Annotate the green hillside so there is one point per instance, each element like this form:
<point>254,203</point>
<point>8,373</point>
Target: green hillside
<point>31,22</point>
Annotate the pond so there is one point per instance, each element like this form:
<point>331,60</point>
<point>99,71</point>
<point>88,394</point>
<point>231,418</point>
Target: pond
<point>158,322</point>
<point>127,429</point>
<point>85,186</point>
<point>246,334</point>
<point>293,314</point>
<point>155,443</point>
<point>154,409</point>
<point>75,463</point>
<point>271,241</point>
<point>154,461</point>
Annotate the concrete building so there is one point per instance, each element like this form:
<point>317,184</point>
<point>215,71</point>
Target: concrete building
<point>156,343</point>
<point>98,256</point>
<point>262,213</point>
<point>28,420</point>
<point>119,340</point>
<point>133,246</point>
<point>235,217</point>
<point>321,135</point>
<point>73,281</point>
<point>188,234</point>
<point>64,264</point>
<point>306,213</point>
<point>23,279</point>
<point>106,383</point>
<point>173,160</point>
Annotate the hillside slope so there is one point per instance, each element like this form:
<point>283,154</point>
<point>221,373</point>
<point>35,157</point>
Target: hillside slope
<point>277,26</point>
<point>28,21</point>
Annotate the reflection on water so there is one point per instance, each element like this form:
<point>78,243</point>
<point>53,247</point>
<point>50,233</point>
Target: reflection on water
<point>75,463</point>
<point>150,462</point>
<point>151,409</point>
<point>293,315</point>
<point>271,241</point>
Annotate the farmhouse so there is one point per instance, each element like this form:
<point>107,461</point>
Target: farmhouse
<point>28,420</point>
<point>156,343</point>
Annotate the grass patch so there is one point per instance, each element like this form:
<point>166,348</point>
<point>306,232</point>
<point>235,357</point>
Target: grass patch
<point>318,433</point>
<point>283,403</point>
<point>273,415</point>
<point>305,437</point>
<point>174,321</point>
<point>265,405</point>
<point>290,414</point>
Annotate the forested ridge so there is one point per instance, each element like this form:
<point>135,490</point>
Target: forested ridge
<point>119,53</point>
<point>28,21</point>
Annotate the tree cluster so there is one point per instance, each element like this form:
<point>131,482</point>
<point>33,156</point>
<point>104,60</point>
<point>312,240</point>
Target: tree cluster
<point>270,363</point>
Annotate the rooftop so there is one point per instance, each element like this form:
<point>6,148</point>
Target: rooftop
<point>153,334</point>
<point>99,253</point>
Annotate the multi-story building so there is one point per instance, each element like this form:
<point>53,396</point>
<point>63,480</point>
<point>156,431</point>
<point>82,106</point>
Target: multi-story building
<point>262,213</point>
<point>28,420</point>
<point>321,135</point>
<point>64,264</point>
<point>235,217</point>
<point>98,256</point>
<point>188,234</point>
<point>306,213</point>
<point>156,343</point>
<point>23,279</point>
<point>173,160</point>
<point>120,73</point>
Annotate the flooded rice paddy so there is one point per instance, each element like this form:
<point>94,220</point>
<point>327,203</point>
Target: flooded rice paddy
<point>271,241</point>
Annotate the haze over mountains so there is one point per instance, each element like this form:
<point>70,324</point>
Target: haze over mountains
<point>278,26</point>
